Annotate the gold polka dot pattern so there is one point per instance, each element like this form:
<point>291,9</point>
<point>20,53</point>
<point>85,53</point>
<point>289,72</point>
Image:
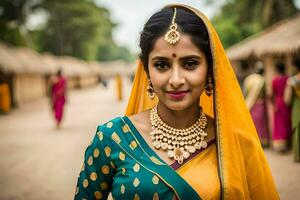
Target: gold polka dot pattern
<point>136,167</point>
<point>93,176</point>
<point>98,195</point>
<point>122,156</point>
<point>105,169</point>
<point>155,180</point>
<point>107,151</point>
<point>85,183</point>
<point>96,153</point>
<point>136,182</point>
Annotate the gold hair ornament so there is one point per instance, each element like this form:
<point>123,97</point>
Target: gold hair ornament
<point>173,36</point>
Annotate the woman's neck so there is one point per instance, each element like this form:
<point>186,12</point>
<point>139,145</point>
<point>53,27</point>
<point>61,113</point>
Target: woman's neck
<point>179,119</point>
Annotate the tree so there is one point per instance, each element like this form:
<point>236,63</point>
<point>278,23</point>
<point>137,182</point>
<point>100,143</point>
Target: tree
<point>74,27</point>
<point>239,19</point>
<point>13,15</point>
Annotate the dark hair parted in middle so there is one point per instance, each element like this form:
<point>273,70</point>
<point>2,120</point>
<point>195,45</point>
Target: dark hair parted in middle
<point>188,23</point>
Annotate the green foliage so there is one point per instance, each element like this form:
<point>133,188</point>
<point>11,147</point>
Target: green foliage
<point>239,19</point>
<point>11,35</point>
<point>79,28</point>
<point>111,51</point>
<point>12,17</point>
<point>74,27</point>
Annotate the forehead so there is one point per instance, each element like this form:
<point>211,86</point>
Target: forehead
<point>184,47</point>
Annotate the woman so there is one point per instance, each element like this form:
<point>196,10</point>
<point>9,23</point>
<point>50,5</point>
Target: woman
<point>58,97</point>
<point>172,143</point>
<point>282,119</point>
<point>119,87</point>
<point>254,87</point>
<point>5,99</point>
<point>292,97</point>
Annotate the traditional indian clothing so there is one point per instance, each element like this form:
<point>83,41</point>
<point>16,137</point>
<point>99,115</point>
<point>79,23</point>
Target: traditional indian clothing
<point>5,99</point>
<point>119,87</point>
<point>254,86</point>
<point>58,97</point>
<point>234,167</point>
<point>295,83</point>
<point>282,115</point>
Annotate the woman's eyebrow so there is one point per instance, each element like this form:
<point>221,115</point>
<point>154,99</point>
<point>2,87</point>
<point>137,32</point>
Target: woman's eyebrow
<point>160,58</point>
<point>190,57</point>
<point>182,58</point>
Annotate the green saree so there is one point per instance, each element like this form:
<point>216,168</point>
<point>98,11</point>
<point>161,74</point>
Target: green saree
<point>119,161</point>
<point>296,118</point>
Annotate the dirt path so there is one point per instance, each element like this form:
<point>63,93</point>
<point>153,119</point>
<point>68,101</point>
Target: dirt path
<point>39,162</point>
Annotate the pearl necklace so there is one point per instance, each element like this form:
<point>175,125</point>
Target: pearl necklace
<point>179,143</point>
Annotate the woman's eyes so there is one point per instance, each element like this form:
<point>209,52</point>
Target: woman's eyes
<point>161,65</point>
<point>189,65</point>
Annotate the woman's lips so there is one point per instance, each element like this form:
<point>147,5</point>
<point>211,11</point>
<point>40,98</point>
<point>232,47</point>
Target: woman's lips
<point>177,95</point>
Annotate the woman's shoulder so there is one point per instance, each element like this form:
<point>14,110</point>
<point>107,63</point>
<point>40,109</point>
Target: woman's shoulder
<point>140,118</point>
<point>111,127</point>
<point>108,125</point>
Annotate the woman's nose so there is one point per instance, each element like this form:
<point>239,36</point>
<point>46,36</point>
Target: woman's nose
<point>176,77</point>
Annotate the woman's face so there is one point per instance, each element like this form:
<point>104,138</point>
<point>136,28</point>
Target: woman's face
<point>177,72</point>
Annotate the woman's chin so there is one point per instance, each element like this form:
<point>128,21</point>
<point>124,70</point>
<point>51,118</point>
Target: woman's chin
<point>178,105</point>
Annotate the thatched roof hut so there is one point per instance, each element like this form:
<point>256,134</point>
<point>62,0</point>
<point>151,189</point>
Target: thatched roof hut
<point>111,68</point>
<point>69,65</point>
<point>22,60</point>
<point>8,63</point>
<point>281,38</point>
<point>16,60</point>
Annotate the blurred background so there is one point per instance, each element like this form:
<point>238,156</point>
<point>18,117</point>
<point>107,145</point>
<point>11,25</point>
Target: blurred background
<point>67,66</point>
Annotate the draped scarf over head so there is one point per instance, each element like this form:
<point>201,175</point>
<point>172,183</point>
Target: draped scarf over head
<point>243,169</point>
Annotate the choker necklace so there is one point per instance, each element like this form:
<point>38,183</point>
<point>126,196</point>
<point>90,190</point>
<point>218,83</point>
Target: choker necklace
<point>179,143</point>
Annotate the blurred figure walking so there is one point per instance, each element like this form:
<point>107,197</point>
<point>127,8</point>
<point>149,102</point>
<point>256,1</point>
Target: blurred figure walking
<point>292,97</point>
<point>5,101</point>
<point>255,96</point>
<point>119,87</point>
<point>58,97</point>
<point>282,113</point>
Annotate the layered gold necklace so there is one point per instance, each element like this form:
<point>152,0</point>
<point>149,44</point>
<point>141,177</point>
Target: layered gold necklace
<point>179,143</point>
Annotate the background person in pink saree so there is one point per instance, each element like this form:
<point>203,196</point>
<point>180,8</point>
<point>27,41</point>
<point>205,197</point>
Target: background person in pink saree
<point>58,97</point>
<point>282,113</point>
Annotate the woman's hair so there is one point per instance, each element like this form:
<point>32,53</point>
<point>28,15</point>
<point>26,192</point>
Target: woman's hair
<point>296,63</point>
<point>259,67</point>
<point>280,67</point>
<point>188,23</point>
<point>59,72</point>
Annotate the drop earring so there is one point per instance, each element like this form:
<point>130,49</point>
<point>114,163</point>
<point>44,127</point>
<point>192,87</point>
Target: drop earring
<point>150,91</point>
<point>209,87</point>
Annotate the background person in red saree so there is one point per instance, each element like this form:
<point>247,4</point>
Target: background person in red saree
<point>58,97</point>
<point>282,113</point>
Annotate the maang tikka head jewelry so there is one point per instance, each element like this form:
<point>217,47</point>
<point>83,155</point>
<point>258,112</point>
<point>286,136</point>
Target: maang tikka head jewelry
<point>173,36</point>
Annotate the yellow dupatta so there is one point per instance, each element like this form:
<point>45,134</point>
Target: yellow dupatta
<point>243,169</point>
